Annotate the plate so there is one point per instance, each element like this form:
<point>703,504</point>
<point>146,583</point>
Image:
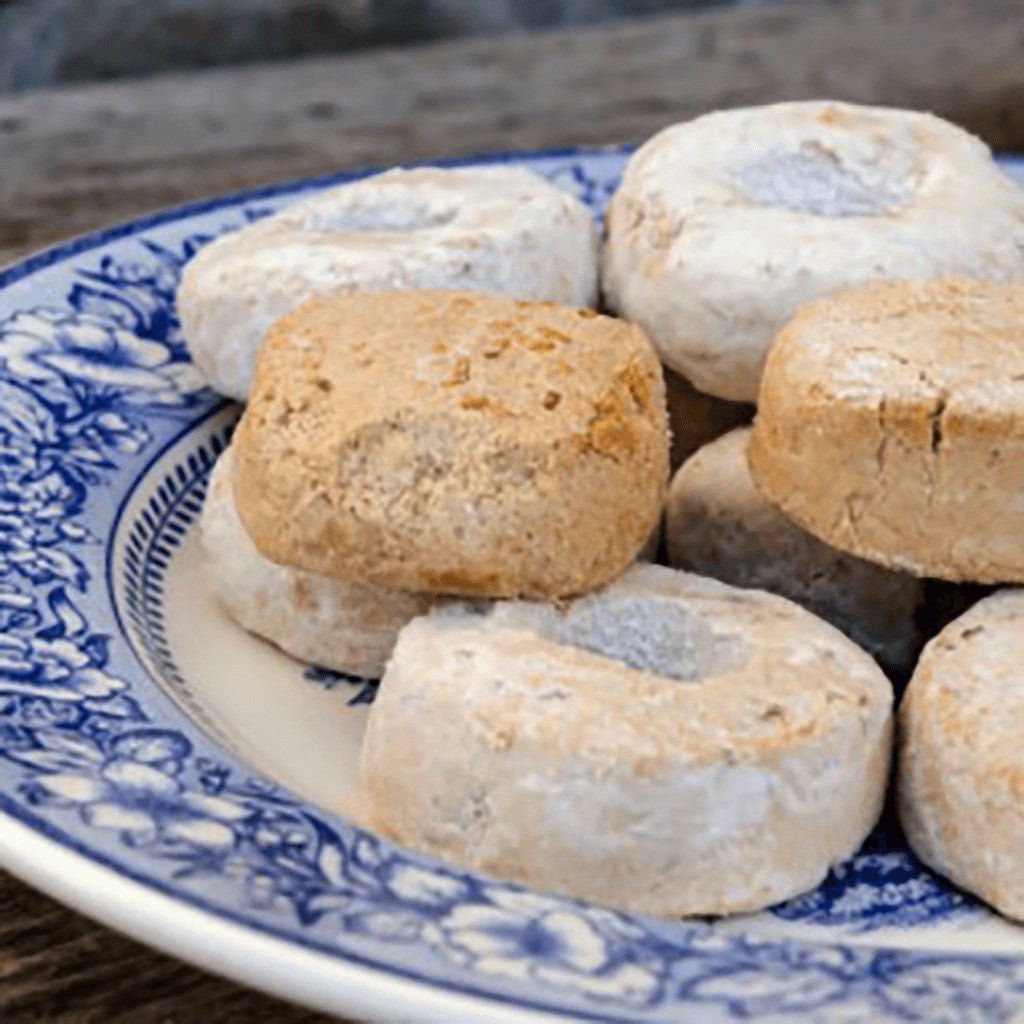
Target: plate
<point>182,781</point>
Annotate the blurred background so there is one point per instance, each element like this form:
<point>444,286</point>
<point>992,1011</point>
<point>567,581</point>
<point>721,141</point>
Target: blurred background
<point>109,108</point>
<point>48,41</point>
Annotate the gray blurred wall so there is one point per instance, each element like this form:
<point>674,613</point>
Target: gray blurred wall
<point>48,41</point>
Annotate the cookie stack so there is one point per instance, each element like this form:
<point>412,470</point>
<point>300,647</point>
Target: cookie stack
<point>450,462</point>
<point>909,399</point>
<point>424,422</point>
<point>858,273</point>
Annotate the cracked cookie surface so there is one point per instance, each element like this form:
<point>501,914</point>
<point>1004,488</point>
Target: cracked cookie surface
<point>891,425</point>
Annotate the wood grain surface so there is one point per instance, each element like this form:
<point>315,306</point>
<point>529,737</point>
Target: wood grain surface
<point>73,159</point>
<point>57,967</point>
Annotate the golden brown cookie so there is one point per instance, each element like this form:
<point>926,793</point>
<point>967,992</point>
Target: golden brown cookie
<point>452,442</point>
<point>891,425</point>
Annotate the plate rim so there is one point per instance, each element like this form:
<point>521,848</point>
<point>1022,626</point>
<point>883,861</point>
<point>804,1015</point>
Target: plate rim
<point>240,951</point>
<point>42,855</point>
<point>20,830</point>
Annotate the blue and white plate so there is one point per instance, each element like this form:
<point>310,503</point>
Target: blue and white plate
<point>182,781</point>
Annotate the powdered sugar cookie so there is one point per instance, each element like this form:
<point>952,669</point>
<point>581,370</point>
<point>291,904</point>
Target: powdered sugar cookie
<point>718,524</point>
<point>492,229</point>
<point>670,745</point>
<point>332,623</point>
<point>961,763</point>
<point>725,225</point>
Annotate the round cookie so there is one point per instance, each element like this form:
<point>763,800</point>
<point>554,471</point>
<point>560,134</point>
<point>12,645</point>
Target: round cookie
<point>724,225</point>
<point>669,746</point>
<point>493,229</point>
<point>453,443</point>
<point>718,524</point>
<point>336,624</point>
<point>694,419</point>
<point>891,425</point>
<point>961,763</point>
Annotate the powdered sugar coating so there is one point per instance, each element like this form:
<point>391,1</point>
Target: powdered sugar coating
<point>493,229</point>
<point>669,745</point>
<point>961,766</point>
<point>719,524</point>
<point>725,225</point>
<point>336,624</point>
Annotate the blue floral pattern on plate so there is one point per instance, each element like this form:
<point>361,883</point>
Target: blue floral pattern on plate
<point>94,385</point>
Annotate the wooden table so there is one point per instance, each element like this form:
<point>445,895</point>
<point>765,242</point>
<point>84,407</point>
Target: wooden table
<point>74,159</point>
